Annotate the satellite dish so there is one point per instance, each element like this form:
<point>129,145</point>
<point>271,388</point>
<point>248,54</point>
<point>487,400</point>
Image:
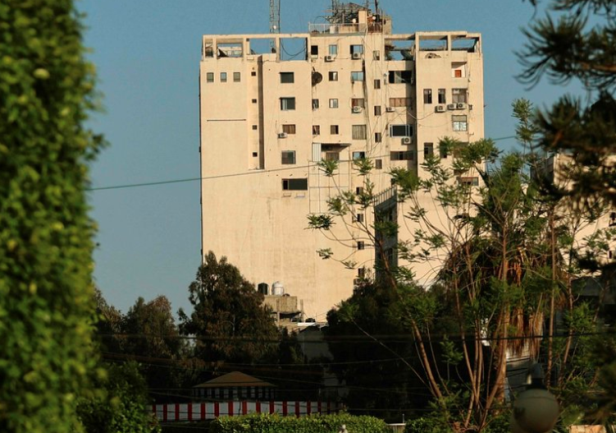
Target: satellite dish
<point>317,77</point>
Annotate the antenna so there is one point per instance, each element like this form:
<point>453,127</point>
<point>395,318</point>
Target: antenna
<point>274,20</point>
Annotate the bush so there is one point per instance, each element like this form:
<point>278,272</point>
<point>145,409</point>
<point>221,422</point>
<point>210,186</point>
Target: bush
<point>264,423</point>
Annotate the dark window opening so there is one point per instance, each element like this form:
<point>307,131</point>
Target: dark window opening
<point>295,184</point>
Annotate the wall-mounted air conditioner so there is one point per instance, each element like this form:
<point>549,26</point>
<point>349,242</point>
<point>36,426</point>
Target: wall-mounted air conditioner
<point>356,109</point>
<point>440,109</point>
<point>330,58</point>
<point>451,106</point>
<point>406,140</point>
<point>282,135</point>
<point>460,106</point>
<point>356,56</point>
<point>390,109</point>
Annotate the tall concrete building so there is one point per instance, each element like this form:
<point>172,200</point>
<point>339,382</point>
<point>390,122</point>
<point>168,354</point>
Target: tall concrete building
<point>355,90</point>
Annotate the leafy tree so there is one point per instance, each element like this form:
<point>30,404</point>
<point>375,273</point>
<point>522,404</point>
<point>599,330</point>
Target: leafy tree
<point>120,405</point>
<point>46,308</point>
<point>229,320</point>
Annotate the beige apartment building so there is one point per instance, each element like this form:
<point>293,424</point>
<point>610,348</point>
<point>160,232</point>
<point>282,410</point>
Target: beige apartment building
<point>354,91</point>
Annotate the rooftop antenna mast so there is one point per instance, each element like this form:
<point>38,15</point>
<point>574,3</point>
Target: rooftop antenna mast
<point>274,20</point>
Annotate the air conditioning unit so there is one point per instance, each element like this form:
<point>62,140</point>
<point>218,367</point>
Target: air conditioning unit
<point>330,58</point>
<point>439,109</point>
<point>282,135</point>
<point>460,106</point>
<point>451,106</point>
<point>357,109</point>
<point>390,109</point>
<point>356,56</point>
<point>406,140</point>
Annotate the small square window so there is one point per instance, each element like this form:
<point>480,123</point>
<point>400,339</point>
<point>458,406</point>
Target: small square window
<point>377,110</point>
<point>288,157</point>
<point>459,123</point>
<point>287,77</point>
<point>287,104</point>
<point>458,96</point>
<point>428,149</point>
<point>378,137</point>
<point>255,154</point>
<point>333,103</point>
<point>361,272</point>
<point>359,132</point>
<point>377,84</point>
<point>359,218</point>
<point>223,77</point>
<point>314,50</point>
<point>376,55</point>
<point>316,129</point>
<point>237,77</point>
<point>332,156</point>
<point>254,101</point>
<point>357,76</point>
<point>361,245</point>
<point>333,129</point>
<point>442,96</point>
<point>253,73</point>
<point>357,49</point>
<point>333,50</point>
<point>333,76</point>
<point>254,127</point>
<point>359,155</point>
<point>315,104</point>
<point>378,164</point>
<point>427,96</point>
<point>294,184</point>
<point>444,151</point>
<point>210,77</point>
<point>358,102</point>
<point>359,190</point>
<point>289,129</point>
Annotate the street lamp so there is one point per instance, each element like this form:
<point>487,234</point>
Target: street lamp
<point>535,410</point>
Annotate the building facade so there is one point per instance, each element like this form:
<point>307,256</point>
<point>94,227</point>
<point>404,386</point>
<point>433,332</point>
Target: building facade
<point>355,91</point>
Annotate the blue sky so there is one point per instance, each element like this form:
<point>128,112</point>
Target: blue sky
<point>147,57</point>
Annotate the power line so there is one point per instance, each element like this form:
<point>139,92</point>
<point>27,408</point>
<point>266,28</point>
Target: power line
<point>222,176</point>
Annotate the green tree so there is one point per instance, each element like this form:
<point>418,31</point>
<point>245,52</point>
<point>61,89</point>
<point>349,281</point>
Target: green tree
<point>229,320</point>
<point>120,404</point>
<point>46,308</point>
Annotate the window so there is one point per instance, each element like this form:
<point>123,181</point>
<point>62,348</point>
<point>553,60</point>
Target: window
<point>333,103</point>
<point>361,272</point>
<point>294,184</point>
<point>442,97</point>
<point>359,132</point>
<point>357,76</point>
<point>428,150</point>
<point>359,155</point>
<point>358,102</point>
<point>377,84</point>
<point>401,130</point>
<point>287,104</point>
<point>359,190</point>
<point>289,129</point>
<point>407,155</point>
<point>287,77</point>
<point>377,110</point>
<point>254,101</point>
<point>361,245</point>
<point>223,77</point>
<point>255,154</point>
<point>254,127</point>
<point>360,216</point>
<point>314,50</point>
<point>378,137</point>
<point>333,76</point>
<point>376,55</point>
<point>357,49</point>
<point>458,96</point>
<point>333,129</point>
<point>253,73</point>
<point>444,151</point>
<point>315,104</point>
<point>316,129</point>
<point>427,96</point>
<point>237,77</point>
<point>288,157</point>
<point>378,164</point>
<point>458,69</point>
<point>333,50</point>
<point>332,156</point>
<point>401,77</point>
<point>459,123</point>
<point>210,77</point>
<point>468,181</point>
<point>400,102</point>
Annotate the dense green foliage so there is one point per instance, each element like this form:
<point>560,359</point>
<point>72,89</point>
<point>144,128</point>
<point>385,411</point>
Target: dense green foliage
<point>310,424</point>
<point>46,91</point>
<point>120,404</point>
